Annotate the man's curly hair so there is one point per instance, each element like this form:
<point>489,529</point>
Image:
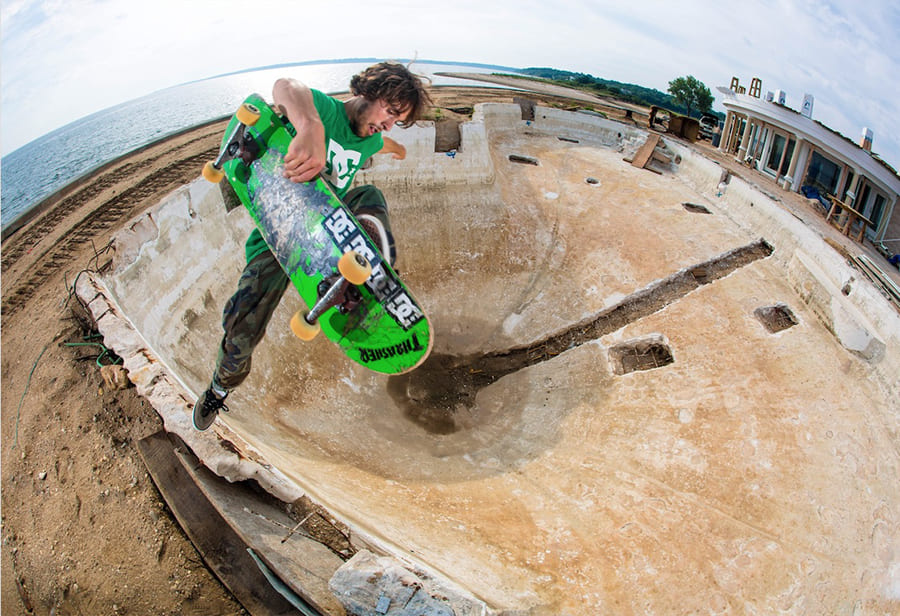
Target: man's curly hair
<point>396,85</point>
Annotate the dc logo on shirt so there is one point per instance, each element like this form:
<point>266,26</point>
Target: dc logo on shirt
<point>342,164</point>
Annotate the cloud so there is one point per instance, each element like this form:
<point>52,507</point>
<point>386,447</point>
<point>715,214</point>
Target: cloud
<point>63,59</point>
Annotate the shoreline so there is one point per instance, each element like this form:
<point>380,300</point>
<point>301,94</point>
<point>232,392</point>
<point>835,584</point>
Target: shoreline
<point>50,200</point>
<point>501,83</point>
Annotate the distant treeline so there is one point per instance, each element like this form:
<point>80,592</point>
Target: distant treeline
<point>627,92</point>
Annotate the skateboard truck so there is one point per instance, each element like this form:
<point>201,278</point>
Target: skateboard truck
<point>236,145</point>
<point>354,269</point>
<point>347,300</point>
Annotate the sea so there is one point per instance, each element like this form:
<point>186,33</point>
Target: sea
<point>40,168</point>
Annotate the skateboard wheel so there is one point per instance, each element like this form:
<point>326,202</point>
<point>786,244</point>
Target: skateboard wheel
<point>247,114</point>
<point>302,328</point>
<point>211,174</point>
<point>354,267</point>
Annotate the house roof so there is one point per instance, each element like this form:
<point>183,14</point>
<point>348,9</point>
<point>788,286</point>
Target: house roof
<point>828,139</point>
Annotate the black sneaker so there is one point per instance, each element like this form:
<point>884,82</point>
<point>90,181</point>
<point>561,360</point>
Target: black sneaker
<point>207,407</point>
<point>374,228</point>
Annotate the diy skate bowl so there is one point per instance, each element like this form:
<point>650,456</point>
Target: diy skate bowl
<point>632,405</point>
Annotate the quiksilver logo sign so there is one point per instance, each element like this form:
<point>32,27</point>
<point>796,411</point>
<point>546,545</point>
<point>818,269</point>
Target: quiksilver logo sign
<point>411,345</point>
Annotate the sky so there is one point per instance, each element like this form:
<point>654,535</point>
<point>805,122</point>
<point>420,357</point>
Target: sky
<point>64,59</point>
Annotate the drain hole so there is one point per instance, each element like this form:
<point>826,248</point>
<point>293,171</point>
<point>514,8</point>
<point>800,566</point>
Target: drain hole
<point>696,209</point>
<point>525,160</point>
<point>776,318</point>
<point>644,354</point>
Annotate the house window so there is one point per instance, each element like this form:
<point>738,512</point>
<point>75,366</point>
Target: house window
<point>877,210</point>
<point>847,185</point>
<point>823,174</point>
<point>775,154</point>
<point>761,137</point>
<point>862,198</point>
<point>779,160</point>
<point>871,204</point>
<point>786,159</point>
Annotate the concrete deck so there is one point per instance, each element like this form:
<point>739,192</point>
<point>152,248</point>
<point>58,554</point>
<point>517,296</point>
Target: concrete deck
<point>751,472</point>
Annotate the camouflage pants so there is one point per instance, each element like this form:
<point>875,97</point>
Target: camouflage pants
<point>260,289</point>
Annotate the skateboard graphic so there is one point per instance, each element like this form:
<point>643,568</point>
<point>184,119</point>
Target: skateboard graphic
<point>352,294</point>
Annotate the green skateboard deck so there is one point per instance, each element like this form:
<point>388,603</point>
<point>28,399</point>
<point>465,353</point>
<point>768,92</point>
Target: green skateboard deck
<point>377,323</point>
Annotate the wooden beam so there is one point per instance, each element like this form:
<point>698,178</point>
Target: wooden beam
<point>221,548</point>
<point>304,564</point>
<point>643,155</point>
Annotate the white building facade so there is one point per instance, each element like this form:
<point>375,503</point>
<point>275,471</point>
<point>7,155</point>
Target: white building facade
<point>805,156</point>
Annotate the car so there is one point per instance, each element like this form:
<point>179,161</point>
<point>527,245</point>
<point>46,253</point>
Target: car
<point>708,125</point>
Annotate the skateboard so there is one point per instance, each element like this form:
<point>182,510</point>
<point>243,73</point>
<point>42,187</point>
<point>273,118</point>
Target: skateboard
<point>351,292</point>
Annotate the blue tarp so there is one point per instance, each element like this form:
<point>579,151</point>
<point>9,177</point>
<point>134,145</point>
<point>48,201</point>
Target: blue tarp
<point>811,192</point>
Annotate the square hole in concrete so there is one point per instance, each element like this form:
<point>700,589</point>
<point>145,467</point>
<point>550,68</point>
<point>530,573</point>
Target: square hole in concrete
<point>776,318</point>
<point>643,354</point>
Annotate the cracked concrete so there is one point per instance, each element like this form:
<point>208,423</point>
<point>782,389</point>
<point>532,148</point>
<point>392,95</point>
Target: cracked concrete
<point>756,471</point>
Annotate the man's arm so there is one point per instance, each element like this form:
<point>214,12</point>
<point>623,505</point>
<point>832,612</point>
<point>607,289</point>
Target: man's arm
<point>306,153</point>
<point>392,147</point>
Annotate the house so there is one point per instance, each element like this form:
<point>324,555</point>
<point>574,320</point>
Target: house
<point>805,156</point>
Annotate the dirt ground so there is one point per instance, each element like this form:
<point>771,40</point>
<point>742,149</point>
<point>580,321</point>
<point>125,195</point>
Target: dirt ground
<point>84,529</point>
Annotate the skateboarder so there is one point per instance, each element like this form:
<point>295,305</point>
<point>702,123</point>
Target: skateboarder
<point>334,139</point>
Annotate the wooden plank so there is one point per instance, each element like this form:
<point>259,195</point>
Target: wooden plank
<point>879,278</point>
<point>221,548</point>
<point>848,216</point>
<point>880,274</point>
<point>302,563</point>
<point>646,151</point>
<point>659,157</point>
<point>278,584</point>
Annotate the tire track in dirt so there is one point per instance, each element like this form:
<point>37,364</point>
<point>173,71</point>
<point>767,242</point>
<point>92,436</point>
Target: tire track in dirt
<point>28,237</point>
<point>111,212</point>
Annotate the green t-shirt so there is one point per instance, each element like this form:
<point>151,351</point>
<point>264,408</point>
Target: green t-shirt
<point>345,155</point>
